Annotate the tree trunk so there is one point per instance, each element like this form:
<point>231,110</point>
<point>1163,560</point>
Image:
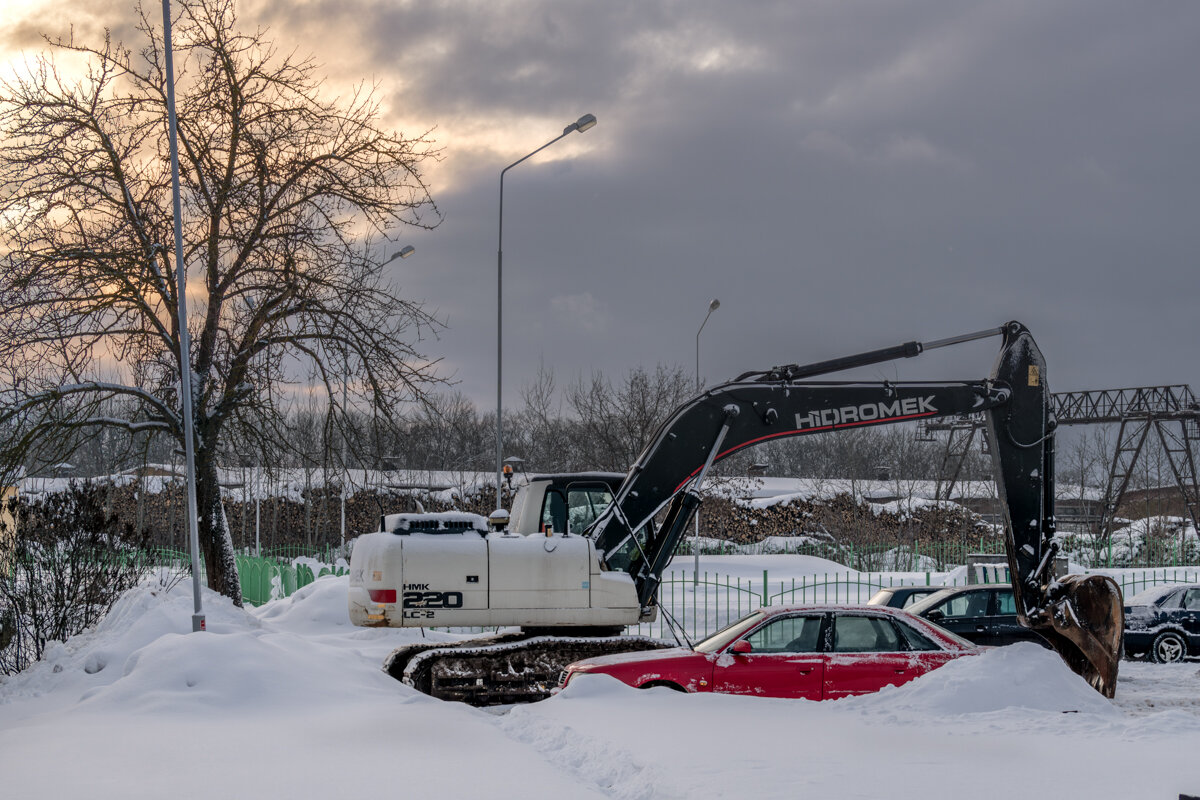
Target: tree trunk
<point>216,545</point>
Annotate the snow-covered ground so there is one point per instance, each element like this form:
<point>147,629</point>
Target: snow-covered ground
<point>288,700</point>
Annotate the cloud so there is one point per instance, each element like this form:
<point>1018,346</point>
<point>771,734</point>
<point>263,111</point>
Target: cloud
<point>843,176</point>
<point>580,311</point>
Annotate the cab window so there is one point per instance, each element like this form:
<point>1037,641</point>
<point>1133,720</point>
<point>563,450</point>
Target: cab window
<point>584,506</point>
<point>622,556</point>
<point>573,509</point>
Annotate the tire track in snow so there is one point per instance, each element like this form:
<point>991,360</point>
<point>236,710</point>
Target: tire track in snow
<point>598,763</point>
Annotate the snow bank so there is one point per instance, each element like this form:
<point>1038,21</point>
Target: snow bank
<point>1020,676</point>
<point>142,616</point>
<point>289,700</point>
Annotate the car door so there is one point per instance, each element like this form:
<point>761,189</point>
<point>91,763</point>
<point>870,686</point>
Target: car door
<point>1190,613</point>
<point>866,654</point>
<point>966,614</point>
<point>785,660</point>
<point>1003,625</point>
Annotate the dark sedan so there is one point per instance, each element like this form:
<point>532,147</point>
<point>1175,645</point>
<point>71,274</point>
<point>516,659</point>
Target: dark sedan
<point>984,614</point>
<point>1164,623</point>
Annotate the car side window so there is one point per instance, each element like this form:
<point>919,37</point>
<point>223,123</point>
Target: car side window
<point>864,635</point>
<point>1191,599</point>
<point>1006,603</point>
<point>967,604</point>
<point>915,639</point>
<point>788,635</point>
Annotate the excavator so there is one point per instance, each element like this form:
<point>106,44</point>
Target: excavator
<point>580,557</point>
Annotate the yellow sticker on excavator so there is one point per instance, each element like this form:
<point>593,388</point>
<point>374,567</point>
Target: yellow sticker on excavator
<point>1033,375</point>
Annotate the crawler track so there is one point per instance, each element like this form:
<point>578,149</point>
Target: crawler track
<point>501,669</point>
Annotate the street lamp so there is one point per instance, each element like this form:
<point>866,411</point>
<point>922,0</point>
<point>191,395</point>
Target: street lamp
<point>713,306</point>
<point>582,124</point>
<point>403,252</point>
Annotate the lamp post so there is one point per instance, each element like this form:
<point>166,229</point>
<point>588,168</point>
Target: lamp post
<point>185,359</point>
<point>713,306</point>
<point>403,252</point>
<point>582,124</point>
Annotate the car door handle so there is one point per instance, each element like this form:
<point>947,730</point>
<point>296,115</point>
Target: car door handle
<point>980,629</point>
<point>900,671</point>
<point>806,670</point>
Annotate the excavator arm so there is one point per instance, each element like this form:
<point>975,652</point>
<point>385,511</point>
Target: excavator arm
<point>1080,616</point>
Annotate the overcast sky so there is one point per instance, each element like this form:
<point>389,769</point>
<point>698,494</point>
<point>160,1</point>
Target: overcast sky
<point>841,175</point>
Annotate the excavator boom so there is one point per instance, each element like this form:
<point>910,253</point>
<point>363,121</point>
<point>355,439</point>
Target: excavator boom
<point>1081,617</point>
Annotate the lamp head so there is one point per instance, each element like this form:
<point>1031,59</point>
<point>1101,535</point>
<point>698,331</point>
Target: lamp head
<point>403,252</point>
<point>581,124</point>
<point>714,305</point>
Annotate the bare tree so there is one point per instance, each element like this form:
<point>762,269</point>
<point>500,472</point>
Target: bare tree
<point>542,434</point>
<point>69,560</point>
<point>282,189</point>
<point>615,424</point>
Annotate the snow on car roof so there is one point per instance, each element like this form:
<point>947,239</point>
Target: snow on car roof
<point>1151,596</point>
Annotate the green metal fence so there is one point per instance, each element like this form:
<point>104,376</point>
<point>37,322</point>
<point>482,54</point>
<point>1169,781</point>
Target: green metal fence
<point>325,554</point>
<point>1133,582</point>
<point>262,579</point>
<point>265,579</point>
<point>703,607</point>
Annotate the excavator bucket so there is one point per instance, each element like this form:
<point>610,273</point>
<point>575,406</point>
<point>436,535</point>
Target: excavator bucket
<point>1084,620</point>
<point>1081,616</point>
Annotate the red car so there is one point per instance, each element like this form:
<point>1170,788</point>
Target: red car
<point>810,652</point>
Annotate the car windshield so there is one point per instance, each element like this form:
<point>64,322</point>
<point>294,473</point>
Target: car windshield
<point>1153,596</point>
<point>925,603</point>
<point>727,634</point>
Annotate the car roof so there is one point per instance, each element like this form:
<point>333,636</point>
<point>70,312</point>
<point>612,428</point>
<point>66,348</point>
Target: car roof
<point>1153,594</point>
<point>771,611</point>
<point>910,589</point>
<point>563,478</point>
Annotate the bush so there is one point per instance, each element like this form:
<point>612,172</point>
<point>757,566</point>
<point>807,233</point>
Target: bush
<point>69,561</point>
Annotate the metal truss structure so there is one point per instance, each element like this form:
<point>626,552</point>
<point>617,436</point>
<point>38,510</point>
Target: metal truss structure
<point>1173,412</point>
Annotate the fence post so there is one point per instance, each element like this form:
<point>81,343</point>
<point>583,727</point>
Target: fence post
<point>766,599</point>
